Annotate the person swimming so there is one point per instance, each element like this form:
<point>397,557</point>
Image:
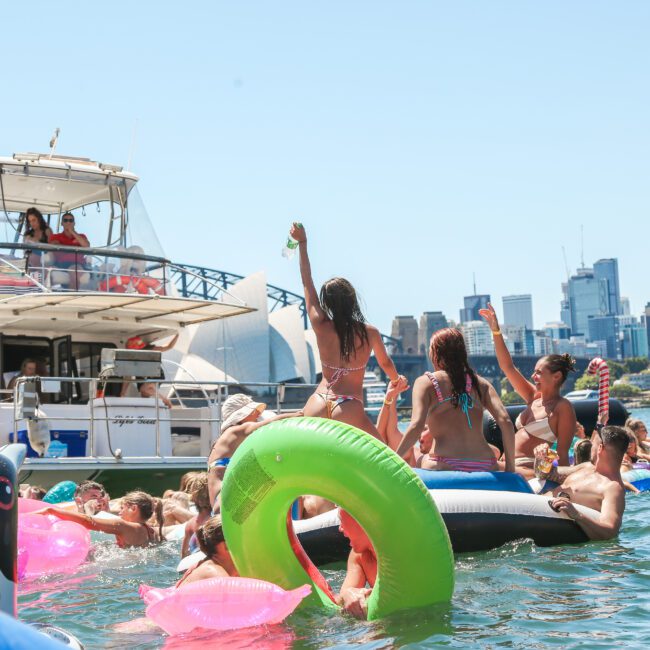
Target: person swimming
<point>450,402</point>
<point>201,499</point>
<point>218,562</point>
<point>640,432</point>
<point>361,569</point>
<point>345,342</point>
<point>130,528</point>
<point>548,417</point>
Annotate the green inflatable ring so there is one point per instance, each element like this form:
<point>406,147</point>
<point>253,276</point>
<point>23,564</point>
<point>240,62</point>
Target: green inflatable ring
<point>288,458</point>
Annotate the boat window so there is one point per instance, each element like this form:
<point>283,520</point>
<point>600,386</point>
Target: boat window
<point>85,362</point>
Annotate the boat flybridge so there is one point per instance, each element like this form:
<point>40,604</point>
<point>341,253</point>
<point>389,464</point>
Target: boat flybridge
<point>62,305</point>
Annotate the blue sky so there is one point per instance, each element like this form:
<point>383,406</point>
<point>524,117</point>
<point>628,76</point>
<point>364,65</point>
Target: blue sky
<point>418,141</point>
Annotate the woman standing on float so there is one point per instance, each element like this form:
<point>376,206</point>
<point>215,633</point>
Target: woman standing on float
<point>345,342</point>
<point>548,416</point>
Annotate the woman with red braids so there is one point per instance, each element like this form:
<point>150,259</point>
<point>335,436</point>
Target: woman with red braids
<point>450,402</point>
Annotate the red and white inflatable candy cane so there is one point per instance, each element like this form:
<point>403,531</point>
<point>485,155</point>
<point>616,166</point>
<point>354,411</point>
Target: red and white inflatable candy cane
<point>600,366</point>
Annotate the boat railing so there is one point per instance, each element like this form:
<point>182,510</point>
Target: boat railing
<point>200,401</point>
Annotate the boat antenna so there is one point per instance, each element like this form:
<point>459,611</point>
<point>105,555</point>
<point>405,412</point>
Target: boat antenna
<point>582,245</point>
<point>54,140</point>
<point>474,278</point>
<point>132,149</point>
<point>566,264</point>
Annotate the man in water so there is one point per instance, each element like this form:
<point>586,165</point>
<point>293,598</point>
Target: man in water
<point>240,416</point>
<point>361,571</point>
<point>91,498</point>
<point>596,484</point>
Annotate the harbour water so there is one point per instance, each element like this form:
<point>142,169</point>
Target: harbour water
<point>589,596</point>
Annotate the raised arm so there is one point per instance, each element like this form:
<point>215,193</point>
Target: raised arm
<point>421,402</point>
<point>315,312</point>
<point>379,350</point>
<point>116,526</point>
<point>521,385</point>
<point>387,419</point>
<point>497,410</point>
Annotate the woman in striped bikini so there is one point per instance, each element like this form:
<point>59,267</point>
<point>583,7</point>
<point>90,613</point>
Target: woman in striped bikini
<point>450,402</point>
<point>345,342</point>
<point>548,416</point>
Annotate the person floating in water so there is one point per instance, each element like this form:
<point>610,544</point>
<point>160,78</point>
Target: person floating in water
<point>240,416</point>
<point>548,416</point>
<point>596,484</point>
<point>361,569</point>
<point>345,342</point>
<point>130,528</point>
<point>450,403</point>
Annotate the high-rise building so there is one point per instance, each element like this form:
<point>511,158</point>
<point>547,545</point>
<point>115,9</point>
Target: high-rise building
<point>606,274</point>
<point>605,328</point>
<point>646,317</point>
<point>478,338</point>
<point>565,305</point>
<point>430,322</point>
<point>405,328</point>
<point>584,300</point>
<point>634,340</point>
<point>518,311</point>
<point>472,306</point>
<point>514,336</point>
<point>626,310</point>
<point>557,331</point>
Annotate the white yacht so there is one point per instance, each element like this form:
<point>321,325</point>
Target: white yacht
<point>60,306</point>
<point>375,392</point>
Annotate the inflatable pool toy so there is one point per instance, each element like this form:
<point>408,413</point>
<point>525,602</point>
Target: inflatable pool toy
<point>46,544</point>
<point>63,491</point>
<point>477,520</point>
<point>15,635</point>
<point>642,464</point>
<point>599,366</point>
<point>220,604</point>
<point>290,458</point>
<point>639,478</point>
<point>494,481</point>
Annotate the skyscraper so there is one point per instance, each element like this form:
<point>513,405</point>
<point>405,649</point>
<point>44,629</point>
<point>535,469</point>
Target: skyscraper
<point>430,322</point>
<point>606,328</point>
<point>478,338</point>
<point>518,311</point>
<point>584,300</point>
<point>472,306</point>
<point>405,328</point>
<point>646,317</point>
<point>606,274</point>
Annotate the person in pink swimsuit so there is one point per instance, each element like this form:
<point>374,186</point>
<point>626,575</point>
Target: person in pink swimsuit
<point>450,402</point>
<point>345,342</point>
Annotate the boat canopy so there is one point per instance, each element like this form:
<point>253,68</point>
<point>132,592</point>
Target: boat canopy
<point>109,313</point>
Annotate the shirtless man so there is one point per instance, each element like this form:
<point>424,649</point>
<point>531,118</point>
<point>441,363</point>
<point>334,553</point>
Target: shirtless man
<point>596,484</point>
<point>239,418</point>
<point>361,571</point>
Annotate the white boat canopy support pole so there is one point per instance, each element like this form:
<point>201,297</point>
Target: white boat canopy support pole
<point>11,458</point>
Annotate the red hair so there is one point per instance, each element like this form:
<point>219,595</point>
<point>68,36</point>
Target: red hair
<point>448,352</point>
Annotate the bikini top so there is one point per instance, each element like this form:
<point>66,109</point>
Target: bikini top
<point>339,373</point>
<point>538,428</point>
<point>465,400</point>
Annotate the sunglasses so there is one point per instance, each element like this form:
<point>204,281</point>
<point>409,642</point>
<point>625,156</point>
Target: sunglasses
<point>67,220</point>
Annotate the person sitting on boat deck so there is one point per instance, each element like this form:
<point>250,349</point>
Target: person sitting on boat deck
<point>640,432</point>
<point>36,232</point>
<point>240,416</point>
<point>148,389</point>
<point>451,401</point>
<point>130,528</point>
<point>361,568</point>
<point>596,484</point>
<point>74,276</point>
<point>91,497</point>
<point>345,342</point>
<point>201,499</point>
<point>28,368</point>
<point>387,420</point>
<point>548,416</point>
<point>138,343</point>
<point>218,561</point>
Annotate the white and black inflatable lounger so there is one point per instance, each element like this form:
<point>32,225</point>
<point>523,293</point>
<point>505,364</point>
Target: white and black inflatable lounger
<point>477,520</point>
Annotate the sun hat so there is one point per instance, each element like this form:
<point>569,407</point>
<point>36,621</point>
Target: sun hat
<point>135,343</point>
<point>236,408</point>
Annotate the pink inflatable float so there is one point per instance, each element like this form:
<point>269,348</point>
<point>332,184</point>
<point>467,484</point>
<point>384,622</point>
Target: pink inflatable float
<point>47,544</point>
<point>220,604</point>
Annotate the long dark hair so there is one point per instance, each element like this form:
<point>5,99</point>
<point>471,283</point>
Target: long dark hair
<point>450,354</point>
<point>29,231</point>
<point>339,301</point>
<point>148,506</point>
